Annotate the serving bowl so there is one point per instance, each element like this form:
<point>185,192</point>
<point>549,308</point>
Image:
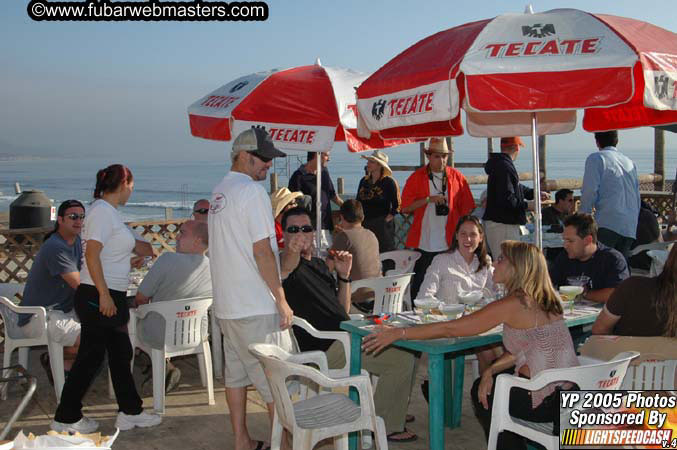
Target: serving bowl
<point>470,298</point>
<point>452,311</point>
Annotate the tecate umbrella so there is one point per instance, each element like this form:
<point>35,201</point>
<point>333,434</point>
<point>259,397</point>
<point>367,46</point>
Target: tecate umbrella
<point>304,108</point>
<point>520,74</point>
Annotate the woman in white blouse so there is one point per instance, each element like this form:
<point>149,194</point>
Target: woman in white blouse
<point>101,305</point>
<point>465,267</point>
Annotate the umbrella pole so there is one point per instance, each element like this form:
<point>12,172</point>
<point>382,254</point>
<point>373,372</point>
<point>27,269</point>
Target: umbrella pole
<point>318,204</point>
<point>537,184</point>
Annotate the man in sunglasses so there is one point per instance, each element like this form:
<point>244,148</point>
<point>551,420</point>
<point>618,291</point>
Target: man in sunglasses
<point>51,282</point>
<point>201,210</point>
<point>323,301</point>
<point>249,301</point>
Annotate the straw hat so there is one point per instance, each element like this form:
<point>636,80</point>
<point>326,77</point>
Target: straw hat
<point>381,159</point>
<point>438,145</point>
<point>281,198</point>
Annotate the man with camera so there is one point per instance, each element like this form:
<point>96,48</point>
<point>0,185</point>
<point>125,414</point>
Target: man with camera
<point>506,197</point>
<point>438,196</point>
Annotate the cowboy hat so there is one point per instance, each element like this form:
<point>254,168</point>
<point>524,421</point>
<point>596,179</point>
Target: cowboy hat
<point>381,159</point>
<point>281,198</point>
<point>438,145</point>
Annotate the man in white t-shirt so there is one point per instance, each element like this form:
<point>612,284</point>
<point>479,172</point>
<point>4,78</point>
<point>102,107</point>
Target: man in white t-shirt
<point>249,301</point>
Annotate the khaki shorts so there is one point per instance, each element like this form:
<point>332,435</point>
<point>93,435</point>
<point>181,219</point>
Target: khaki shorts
<point>242,368</point>
<point>62,328</point>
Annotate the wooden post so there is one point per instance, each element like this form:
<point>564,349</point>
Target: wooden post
<point>490,147</point>
<point>450,144</point>
<point>542,156</point>
<point>169,213</point>
<point>273,182</point>
<point>659,158</point>
<point>422,153</point>
<point>340,185</point>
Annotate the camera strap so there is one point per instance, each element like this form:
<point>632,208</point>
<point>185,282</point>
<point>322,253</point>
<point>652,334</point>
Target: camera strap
<point>442,191</point>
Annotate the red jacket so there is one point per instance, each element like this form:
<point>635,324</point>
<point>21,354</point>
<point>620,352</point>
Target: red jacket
<point>460,201</point>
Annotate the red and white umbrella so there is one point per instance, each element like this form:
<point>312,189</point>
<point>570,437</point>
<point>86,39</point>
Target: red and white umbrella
<point>305,108</point>
<point>521,74</point>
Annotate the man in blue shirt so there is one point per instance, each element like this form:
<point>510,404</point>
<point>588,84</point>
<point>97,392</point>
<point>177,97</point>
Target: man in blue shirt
<point>52,281</point>
<point>611,187</point>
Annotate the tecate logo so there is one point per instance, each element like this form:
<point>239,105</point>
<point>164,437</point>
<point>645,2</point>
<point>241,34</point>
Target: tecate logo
<point>538,31</point>
<point>403,106</point>
<point>550,47</point>
<point>238,86</point>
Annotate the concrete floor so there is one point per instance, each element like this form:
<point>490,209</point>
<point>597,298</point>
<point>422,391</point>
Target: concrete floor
<point>189,423</point>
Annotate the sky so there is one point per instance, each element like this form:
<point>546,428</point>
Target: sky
<point>122,88</point>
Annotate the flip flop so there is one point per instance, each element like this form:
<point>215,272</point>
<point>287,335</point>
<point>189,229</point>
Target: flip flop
<point>260,445</point>
<point>392,436</point>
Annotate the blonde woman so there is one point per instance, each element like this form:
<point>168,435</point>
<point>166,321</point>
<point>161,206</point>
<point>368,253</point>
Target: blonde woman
<point>535,337</point>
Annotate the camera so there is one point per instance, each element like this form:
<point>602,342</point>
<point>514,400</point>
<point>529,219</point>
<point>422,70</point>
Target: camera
<point>441,209</point>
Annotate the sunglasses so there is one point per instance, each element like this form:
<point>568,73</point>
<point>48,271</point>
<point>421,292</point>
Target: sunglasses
<point>295,229</point>
<point>262,158</point>
<point>201,211</point>
<point>74,216</point>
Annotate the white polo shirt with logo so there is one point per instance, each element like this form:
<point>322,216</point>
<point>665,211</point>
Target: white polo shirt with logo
<point>240,214</point>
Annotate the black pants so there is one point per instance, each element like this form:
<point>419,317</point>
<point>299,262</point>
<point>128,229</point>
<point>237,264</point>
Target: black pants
<point>615,240</point>
<point>99,335</point>
<point>520,407</point>
<point>384,232</point>
<point>420,268</point>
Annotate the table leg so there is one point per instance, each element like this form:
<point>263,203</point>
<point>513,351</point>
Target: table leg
<point>355,369</point>
<point>455,400</point>
<point>436,399</point>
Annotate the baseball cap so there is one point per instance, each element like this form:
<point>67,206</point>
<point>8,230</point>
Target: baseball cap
<point>256,141</point>
<point>512,142</point>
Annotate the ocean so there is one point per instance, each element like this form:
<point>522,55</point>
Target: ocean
<point>177,184</point>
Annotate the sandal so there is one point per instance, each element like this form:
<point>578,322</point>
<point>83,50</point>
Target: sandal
<point>394,437</point>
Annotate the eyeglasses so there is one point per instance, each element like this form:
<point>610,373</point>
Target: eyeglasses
<point>74,216</point>
<point>201,211</point>
<point>293,229</point>
<point>262,158</point>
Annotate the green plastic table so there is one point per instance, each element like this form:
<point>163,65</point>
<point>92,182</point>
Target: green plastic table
<point>445,410</point>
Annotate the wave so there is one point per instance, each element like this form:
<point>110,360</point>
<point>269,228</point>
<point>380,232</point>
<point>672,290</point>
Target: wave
<point>169,191</point>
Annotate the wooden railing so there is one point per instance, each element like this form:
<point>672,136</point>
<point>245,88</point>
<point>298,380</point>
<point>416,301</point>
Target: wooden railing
<point>18,247</point>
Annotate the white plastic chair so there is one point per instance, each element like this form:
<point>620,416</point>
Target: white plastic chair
<point>388,291</point>
<point>184,335</point>
<point>651,375</point>
<point>597,376</point>
<point>320,417</point>
<point>15,338</point>
<point>341,336</point>
<point>404,260</point>
<point>404,263</point>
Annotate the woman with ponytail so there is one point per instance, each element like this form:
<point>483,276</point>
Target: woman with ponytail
<point>100,302</point>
